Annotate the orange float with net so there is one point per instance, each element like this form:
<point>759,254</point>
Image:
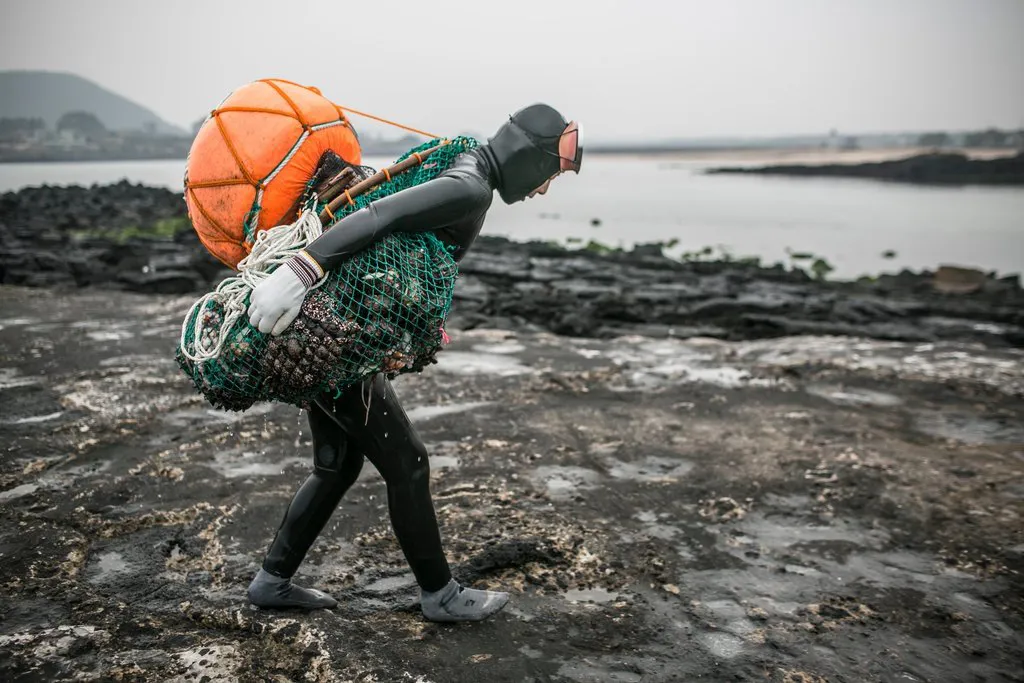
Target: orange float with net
<point>252,158</point>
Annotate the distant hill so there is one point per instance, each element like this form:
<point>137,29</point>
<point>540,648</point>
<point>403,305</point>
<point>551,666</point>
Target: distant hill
<point>49,95</point>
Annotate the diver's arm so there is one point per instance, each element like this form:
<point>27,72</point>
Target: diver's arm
<point>435,204</point>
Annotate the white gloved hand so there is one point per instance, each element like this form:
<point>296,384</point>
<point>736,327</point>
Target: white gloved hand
<point>276,301</point>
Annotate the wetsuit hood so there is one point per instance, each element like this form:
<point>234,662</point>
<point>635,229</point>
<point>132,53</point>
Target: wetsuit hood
<point>525,150</point>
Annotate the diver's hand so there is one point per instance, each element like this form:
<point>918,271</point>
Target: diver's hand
<point>276,301</point>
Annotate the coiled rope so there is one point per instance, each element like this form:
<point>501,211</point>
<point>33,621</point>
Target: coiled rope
<point>272,248</point>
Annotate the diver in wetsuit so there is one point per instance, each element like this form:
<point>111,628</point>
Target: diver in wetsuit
<point>519,161</point>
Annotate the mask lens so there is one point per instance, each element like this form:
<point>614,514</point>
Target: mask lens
<point>578,157</point>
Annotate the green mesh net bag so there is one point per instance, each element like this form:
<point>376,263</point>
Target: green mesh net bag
<point>382,311</point>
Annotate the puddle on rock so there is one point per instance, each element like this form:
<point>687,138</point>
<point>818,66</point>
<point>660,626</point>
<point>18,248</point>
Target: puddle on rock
<point>776,608</point>
<point>391,583</point>
<point>969,429</point>
<point>853,396</point>
<point>18,492</point>
<point>135,360</point>
<point>469,363</point>
<point>789,563</point>
<point>421,413</point>
<point>730,616</point>
<point>15,322</point>
<point>725,610</point>
<point>190,417</point>
<point>888,569</point>
<point>34,419</point>
<point>789,502</point>
<point>68,475</point>
<point>56,479</point>
<point>500,348</point>
<point>336,562</point>
<point>722,645</point>
<point>654,529</point>
<point>109,335</point>
<point>724,377</point>
<point>441,461</point>
<point>639,350</point>
<point>11,378</point>
<point>661,362</point>
<point>595,595</point>
<point>583,672</point>
<point>562,482</point>
<point>651,468</point>
<point>659,531</point>
<point>234,464</point>
<point>46,329</point>
<point>781,535</point>
<point>109,565</point>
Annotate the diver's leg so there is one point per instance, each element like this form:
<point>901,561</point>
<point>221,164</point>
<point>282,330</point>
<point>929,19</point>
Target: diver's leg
<point>376,420</point>
<point>335,468</point>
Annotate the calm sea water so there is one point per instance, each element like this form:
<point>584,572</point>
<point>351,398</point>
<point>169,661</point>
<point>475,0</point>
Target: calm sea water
<point>849,222</point>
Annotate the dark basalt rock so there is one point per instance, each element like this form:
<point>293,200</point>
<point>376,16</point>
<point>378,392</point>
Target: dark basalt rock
<point>137,238</point>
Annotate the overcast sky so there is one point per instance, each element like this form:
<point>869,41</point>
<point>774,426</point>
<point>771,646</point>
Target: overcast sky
<point>631,69</point>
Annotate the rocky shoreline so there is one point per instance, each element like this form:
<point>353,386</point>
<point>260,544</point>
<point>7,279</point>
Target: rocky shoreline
<point>138,239</point>
<point>934,168</point>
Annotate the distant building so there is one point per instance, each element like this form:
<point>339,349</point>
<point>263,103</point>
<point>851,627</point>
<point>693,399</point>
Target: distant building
<point>70,138</point>
<point>841,143</point>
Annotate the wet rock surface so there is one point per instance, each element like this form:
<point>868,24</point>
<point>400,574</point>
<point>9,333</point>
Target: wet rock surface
<point>76,237</point>
<point>806,508</point>
<point>120,236</point>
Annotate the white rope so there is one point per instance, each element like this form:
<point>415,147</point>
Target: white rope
<point>329,124</point>
<point>272,248</point>
<point>287,157</point>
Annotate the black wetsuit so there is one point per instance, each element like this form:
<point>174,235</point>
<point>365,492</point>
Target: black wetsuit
<point>345,430</point>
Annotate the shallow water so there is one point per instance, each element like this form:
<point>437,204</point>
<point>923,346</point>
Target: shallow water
<point>391,583</point>
<point>470,363</point>
<point>970,429</point>
<point>422,413</point>
<point>854,396</point>
<point>236,463</point>
<point>564,481</point>
<point>595,595</point>
<point>651,468</point>
<point>108,565</point>
<point>722,645</point>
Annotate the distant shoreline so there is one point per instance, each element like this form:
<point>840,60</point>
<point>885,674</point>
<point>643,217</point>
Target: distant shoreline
<point>930,168</point>
<point>799,155</point>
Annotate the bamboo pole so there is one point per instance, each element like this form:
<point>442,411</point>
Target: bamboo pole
<point>374,180</point>
<point>333,186</point>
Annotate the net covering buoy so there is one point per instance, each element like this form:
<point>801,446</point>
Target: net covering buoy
<point>250,162</point>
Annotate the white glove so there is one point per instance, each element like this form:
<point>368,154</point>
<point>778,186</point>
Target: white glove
<point>277,301</point>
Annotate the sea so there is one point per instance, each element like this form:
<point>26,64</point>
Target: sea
<point>857,226</point>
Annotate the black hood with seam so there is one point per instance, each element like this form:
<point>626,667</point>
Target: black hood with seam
<point>524,151</point>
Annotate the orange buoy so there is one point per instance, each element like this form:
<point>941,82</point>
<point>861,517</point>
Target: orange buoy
<point>251,160</point>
